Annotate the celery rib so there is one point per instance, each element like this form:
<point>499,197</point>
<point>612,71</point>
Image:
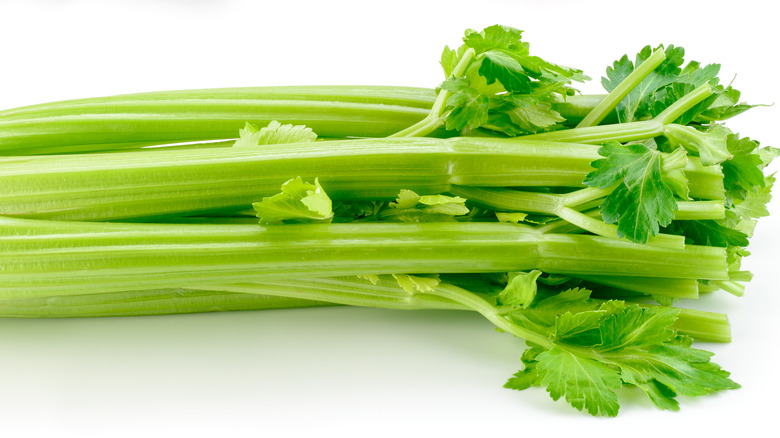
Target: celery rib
<point>39,259</point>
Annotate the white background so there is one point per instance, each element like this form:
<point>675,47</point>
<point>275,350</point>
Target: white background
<point>353,372</point>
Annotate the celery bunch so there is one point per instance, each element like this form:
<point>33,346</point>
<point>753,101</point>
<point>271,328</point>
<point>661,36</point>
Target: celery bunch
<point>571,222</point>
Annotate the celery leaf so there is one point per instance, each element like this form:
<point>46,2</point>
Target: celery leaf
<point>641,201</point>
<point>708,232</point>
<point>520,290</point>
<point>496,37</point>
<point>417,283</point>
<point>584,383</point>
<point>467,109</point>
<point>522,114</point>
<point>299,202</point>
<point>274,133</point>
<point>411,208</point>
<point>511,218</point>
<point>498,66</point>
<point>594,350</point>
<point>742,173</point>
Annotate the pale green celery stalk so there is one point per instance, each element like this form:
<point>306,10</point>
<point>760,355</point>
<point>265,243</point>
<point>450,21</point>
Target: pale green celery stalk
<point>39,258</point>
<point>631,131</point>
<point>704,182</point>
<point>699,210</point>
<point>146,302</point>
<point>381,291</point>
<point>732,287</point>
<point>740,276</point>
<point>232,218</point>
<point>151,184</point>
<point>135,121</point>
<point>704,326</point>
<point>386,95</point>
<point>139,125</point>
<point>573,108</point>
<point>606,106</point>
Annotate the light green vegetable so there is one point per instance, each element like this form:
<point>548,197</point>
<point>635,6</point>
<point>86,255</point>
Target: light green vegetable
<point>557,217</point>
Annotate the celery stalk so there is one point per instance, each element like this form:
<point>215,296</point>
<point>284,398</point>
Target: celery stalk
<point>39,258</point>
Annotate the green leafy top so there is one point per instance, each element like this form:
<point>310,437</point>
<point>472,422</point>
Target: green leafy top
<point>643,198</point>
<point>583,350</point>
<point>299,202</point>
<point>595,348</point>
<point>637,104</point>
<point>669,82</point>
<point>502,87</point>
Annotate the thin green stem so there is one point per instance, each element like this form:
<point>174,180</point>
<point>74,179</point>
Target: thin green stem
<point>622,132</point>
<point>600,228</point>
<point>510,200</point>
<point>678,108</point>
<point>382,291</point>
<point>434,119</point>
<point>585,195</point>
<point>631,131</point>
<point>486,309</point>
<point>575,108</point>
<point>422,128</point>
<point>609,103</point>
